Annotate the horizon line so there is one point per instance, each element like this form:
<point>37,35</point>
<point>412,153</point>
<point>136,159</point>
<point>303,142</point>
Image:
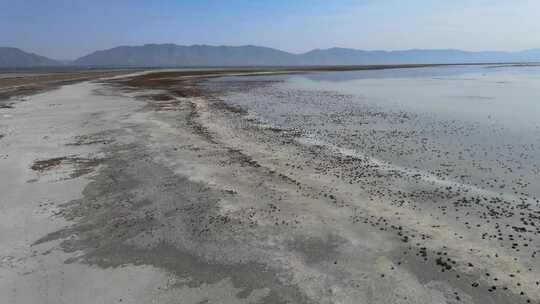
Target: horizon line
<point>281,50</point>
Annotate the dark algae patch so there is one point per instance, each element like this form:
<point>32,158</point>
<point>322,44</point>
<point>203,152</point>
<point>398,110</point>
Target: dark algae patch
<point>46,164</point>
<point>82,166</point>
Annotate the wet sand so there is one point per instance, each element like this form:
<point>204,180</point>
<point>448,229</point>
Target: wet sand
<point>152,188</point>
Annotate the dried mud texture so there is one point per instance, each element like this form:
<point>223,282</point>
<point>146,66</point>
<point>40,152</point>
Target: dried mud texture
<point>138,212</point>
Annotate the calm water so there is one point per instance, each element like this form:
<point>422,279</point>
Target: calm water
<point>510,95</point>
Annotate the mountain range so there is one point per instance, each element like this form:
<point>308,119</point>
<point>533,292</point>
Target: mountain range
<point>172,55</point>
<point>12,57</point>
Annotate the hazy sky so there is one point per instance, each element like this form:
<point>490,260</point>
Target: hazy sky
<point>65,29</point>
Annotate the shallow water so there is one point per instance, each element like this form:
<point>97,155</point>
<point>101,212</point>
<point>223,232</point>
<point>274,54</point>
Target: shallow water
<point>509,95</point>
<point>478,126</point>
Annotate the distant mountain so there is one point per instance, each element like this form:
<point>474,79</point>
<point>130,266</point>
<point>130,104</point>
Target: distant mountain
<point>342,56</point>
<point>15,58</point>
<point>171,55</point>
<point>163,55</point>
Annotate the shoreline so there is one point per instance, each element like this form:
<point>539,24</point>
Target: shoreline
<point>464,248</point>
<point>15,85</point>
<point>173,178</point>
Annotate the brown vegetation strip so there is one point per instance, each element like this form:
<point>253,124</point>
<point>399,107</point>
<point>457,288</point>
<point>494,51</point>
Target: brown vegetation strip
<point>183,82</point>
<point>58,77</point>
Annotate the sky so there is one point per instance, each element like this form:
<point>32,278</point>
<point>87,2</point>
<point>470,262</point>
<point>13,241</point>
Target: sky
<point>67,29</point>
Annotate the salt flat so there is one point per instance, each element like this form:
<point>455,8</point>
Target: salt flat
<point>159,188</point>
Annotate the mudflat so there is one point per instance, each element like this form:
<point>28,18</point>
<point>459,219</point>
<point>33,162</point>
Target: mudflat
<point>17,84</point>
<point>151,188</point>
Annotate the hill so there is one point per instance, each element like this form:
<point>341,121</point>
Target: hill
<point>15,58</point>
<point>171,55</point>
<point>162,55</point>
